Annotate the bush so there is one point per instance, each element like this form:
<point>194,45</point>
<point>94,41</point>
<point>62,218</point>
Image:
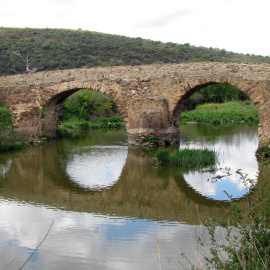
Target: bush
<point>152,139</point>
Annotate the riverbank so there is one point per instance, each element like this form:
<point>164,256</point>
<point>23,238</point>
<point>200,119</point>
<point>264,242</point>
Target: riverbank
<point>67,128</point>
<point>11,141</point>
<point>220,113</point>
<point>8,139</point>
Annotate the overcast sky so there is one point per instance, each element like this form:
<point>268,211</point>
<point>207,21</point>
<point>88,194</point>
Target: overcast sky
<point>235,25</point>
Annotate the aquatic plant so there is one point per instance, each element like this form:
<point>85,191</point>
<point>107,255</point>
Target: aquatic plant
<point>187,157</point>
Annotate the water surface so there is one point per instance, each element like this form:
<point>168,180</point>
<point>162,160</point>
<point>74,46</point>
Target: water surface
<point>110,203</point>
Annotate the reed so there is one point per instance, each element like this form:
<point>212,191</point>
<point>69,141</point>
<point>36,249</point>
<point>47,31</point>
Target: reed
<point>187,157</point>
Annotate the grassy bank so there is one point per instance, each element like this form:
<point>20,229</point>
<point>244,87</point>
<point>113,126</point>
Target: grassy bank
<point>218,113</point>
<point>75,124</point>
<point>11,141</point>
<point>186,157</point>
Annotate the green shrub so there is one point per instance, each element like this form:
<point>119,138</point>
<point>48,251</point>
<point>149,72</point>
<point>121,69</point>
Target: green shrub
<point>152,139</point>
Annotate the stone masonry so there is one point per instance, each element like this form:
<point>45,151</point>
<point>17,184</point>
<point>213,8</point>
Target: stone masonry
<point>150,98</point>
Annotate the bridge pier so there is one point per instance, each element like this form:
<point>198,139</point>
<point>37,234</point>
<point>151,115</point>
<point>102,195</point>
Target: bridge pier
<point>149,121</point>
<point>166,136</point>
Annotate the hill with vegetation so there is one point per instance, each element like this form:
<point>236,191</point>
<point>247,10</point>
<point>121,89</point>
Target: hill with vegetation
<point>52,49</point>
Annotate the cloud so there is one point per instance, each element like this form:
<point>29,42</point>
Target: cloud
<point>165,19</point>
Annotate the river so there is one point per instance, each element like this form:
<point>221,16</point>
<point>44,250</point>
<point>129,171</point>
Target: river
<point>93,202</point>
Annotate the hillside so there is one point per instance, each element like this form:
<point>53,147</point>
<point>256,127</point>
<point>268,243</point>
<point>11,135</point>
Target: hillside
<point>64,49</point>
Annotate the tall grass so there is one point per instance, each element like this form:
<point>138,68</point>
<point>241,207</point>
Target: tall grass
<point>187,157</point>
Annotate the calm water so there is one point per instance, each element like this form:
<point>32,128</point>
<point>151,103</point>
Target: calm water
<point>110,203</point>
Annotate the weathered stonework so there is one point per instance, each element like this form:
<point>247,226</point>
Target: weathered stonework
<point>150,98</point>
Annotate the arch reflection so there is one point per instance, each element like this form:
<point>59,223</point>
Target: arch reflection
<point>96,167</point>
<point>235,146</point>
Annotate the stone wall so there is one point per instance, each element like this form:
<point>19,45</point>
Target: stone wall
<point>149,98</point>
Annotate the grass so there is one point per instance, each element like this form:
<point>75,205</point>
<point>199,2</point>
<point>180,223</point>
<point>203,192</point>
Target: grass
<point>186,157</point>
<point>218,113</point>
<point>75,124</point>
<point>8,139</point>
<point>11,141</point>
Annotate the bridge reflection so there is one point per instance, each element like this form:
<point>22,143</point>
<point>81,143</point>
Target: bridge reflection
<point>143,190</point>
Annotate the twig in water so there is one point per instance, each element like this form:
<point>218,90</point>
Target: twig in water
<point>37,246</point>
<point>158,255</point>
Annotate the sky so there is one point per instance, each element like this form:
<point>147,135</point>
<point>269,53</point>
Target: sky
<point>234,25</point>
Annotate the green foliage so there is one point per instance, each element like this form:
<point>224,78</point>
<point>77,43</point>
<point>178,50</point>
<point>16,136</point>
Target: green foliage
<point>106,122</point>
<point>84,103</point>
<point>246,243</point>
<point>263,152</point>
<point>152,139</point>
<point>187,157</point>
<point>8,139</point>
<point>66,129</point>
<point>221,113</point>
<point>5,117</point>
<point>199,59</point>
<point>64,49</point>
<point>215,93</point>
<point>81,112</point>
<point>221,92</point>
<point>17,144</point>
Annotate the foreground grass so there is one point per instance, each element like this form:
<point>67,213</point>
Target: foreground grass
<point>246,234</point>
<point>215,113</point>
<point>187,157</point>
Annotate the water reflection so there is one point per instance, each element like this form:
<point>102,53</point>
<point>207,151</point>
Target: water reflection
<point>5,165</point>
<point>236,147</point>
<point>113,228</point>
<point>96,167</point>
<point>86,241</point>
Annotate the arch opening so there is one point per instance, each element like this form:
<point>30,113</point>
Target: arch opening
<point>222,118</point>
<point>79,109</point>
<point>216,103</point>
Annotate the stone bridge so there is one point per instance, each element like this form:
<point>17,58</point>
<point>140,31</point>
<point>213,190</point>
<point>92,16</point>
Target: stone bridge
<point>150,98</point>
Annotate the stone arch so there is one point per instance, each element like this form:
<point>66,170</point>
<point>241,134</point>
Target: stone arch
<point>252,89</point>
<point>50,111</point>
<point>144,94</point>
